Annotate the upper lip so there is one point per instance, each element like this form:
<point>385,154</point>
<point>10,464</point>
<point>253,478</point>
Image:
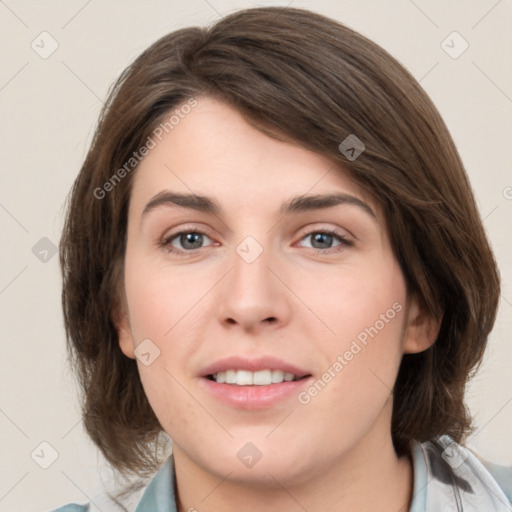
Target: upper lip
<point>253,365</point>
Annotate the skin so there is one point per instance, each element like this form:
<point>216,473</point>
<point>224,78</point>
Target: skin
<point>202,304</point>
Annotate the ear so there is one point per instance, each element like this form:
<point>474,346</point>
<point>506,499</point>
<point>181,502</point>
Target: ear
<point>421,328</point>
<point>122,324</point>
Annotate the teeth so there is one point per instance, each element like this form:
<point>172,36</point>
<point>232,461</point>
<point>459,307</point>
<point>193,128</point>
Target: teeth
<point>277,376</point>
<point>247,378</point>
<point>243,378</point>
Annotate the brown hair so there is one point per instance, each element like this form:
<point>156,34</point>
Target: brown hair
<point>310,78</point>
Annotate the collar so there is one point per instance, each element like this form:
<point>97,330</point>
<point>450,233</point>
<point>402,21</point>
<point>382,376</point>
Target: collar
<point>160,494</point>
<point>448,476</point>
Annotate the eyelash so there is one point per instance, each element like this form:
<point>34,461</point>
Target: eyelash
<point>344,241</point>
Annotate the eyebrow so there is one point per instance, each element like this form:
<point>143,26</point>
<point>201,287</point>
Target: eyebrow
<point>295,204</point>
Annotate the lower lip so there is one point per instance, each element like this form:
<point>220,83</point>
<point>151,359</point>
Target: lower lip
<point>254,397</point>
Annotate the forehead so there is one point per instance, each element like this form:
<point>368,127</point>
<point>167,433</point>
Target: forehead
<point>214,151</point>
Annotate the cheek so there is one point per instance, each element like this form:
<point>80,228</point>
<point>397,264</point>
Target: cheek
<point>370,294</point>
<point>165,306</point>
<point>169,398</point>
<point>364,310</point>
<point>160,297</point>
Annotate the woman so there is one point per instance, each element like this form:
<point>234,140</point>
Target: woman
<point>310,348</point>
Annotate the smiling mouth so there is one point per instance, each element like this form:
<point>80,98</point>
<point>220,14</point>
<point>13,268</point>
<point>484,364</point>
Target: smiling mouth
<point>259,378</point>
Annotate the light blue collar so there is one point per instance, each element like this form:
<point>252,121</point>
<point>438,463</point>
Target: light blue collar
<point>419,493</point>
<point>448,476</point>
<point>160,495</point>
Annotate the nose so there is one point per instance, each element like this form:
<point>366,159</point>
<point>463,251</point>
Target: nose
<point>253,295</point>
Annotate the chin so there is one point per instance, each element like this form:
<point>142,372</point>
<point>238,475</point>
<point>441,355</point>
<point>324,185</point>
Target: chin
<point>260,462</point>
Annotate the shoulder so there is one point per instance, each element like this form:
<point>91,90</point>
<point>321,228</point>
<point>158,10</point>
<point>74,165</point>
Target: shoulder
<point>157,495</point>
<point>501,474</point>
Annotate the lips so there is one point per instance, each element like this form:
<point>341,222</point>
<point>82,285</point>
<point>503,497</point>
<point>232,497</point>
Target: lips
<point>256,394</point>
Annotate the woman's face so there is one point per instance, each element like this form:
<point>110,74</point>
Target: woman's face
<point>242,270</point>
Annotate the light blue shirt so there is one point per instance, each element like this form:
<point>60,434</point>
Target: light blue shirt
<point>447,478</point>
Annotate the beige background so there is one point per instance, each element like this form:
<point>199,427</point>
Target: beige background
<point>48,109</point>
